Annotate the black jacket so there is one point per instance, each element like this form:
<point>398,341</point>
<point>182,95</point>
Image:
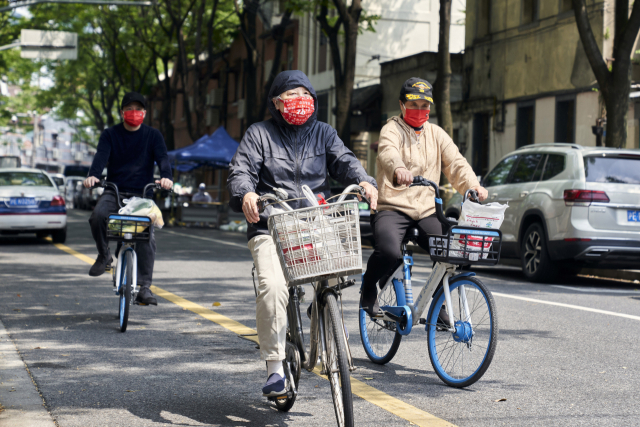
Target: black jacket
<point>275,154</point>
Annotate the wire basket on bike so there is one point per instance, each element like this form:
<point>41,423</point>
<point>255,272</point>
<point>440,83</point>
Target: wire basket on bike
<point>467,245</point>
<point>318,243</point>
<point>128,227</point>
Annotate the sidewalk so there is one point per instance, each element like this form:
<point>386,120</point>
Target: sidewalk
<point>20,403</point>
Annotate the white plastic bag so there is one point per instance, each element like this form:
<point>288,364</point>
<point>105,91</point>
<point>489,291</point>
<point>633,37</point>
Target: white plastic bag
<point>143,207</point>
<point>476,215</point>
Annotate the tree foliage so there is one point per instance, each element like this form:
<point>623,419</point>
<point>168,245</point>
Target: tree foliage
<point>123,49</point>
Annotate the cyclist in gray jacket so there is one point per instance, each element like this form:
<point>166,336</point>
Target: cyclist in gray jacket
<point>287,151</point>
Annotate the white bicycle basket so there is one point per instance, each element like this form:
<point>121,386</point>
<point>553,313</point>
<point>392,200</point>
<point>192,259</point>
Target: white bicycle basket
<point>318,243</point>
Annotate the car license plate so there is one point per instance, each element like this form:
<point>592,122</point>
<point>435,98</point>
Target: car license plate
<point>633,216</point>
<point>22,201</point>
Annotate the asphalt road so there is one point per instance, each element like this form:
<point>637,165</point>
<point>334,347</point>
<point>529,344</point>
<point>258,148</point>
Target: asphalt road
<point>556,365</point>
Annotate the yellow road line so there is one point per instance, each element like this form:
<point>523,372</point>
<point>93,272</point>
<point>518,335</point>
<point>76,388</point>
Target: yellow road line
<point>365,391</point>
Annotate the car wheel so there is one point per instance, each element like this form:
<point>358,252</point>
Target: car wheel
<point>536,264</point>
<point>59,236</point>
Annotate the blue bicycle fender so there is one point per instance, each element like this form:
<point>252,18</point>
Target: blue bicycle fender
<point>401,311</point>
<point>400,296</point>
<point>465,274</point>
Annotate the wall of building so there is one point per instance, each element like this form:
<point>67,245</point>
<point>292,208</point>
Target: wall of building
<point>519,60</point>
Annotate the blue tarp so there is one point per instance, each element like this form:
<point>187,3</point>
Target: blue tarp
<point>214,150</point>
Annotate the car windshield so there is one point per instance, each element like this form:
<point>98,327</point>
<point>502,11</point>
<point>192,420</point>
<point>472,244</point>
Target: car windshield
<point>26,179</point>
<point>59,181</point>
<point>618,170</point>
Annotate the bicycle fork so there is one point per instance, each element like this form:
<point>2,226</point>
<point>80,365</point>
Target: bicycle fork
<point>134,279</point>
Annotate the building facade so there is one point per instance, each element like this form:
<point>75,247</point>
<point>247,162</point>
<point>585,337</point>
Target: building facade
<point>527,78</point>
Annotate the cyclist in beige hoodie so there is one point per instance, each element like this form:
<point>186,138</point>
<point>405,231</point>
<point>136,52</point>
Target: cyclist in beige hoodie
<point>410,146</point>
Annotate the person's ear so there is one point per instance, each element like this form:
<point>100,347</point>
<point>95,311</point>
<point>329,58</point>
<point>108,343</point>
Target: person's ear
<point>401,107</point>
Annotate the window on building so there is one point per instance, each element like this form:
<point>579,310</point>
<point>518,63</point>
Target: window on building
<point>566,6</point>
<point>554,165</point>
<point>529,11</point>
<point>322,54</point>
<point>484,18</point>
<point>500,173</point>
<point>526,168</point>
<point>480,151</point>
<point>565,120</point>
<point>323,108</point>
<point>525,125</point>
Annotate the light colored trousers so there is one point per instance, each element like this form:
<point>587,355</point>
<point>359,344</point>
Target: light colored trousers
<point>272,300</point>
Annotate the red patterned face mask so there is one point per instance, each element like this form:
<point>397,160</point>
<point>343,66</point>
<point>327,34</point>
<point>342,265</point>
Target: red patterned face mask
<point>134,117</point>
<point>297,110</point>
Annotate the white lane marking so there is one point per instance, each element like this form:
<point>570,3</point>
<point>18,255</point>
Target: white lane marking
<point>207,238</point>
<point>576,307</point>
<point>597,290</point>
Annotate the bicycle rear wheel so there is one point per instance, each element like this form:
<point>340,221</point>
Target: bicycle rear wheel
<point>380,338</point>
<point>126,277</point>
<point>461,358</point>
<point>337,362</point>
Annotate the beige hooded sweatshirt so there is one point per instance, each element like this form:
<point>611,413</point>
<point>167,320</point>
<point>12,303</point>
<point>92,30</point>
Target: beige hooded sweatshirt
<point>425,155</point>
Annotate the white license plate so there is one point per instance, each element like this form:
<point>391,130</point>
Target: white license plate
<point>633,216</point>
<point>22,201</point>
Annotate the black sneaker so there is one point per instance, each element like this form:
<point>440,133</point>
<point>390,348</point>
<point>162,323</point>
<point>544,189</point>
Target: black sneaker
<point>145,297</point>
<point>369,302</point>
<point>100,266</point>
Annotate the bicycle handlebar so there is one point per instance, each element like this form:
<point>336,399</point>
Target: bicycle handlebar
<point>103,183</point>
<point>279,192</point>
<point>419,181</point>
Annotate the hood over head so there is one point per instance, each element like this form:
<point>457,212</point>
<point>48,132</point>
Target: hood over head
<point>284,81</point>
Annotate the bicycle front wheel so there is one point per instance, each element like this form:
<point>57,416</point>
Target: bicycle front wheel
<point>337,362</point>
<point>380,338</point>
<point>126,277</point>
<point>461,358</point>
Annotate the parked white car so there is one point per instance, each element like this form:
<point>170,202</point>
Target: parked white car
<point>30,202</point>
<point>569,207</point>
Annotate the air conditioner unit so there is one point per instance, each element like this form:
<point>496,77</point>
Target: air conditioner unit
<point>79,156</point>
<point>55,154</point>
<point>241,109</point>
<point>215,97</point>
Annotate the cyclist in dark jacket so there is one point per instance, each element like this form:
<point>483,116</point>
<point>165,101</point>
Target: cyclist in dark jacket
<point>288,151</point>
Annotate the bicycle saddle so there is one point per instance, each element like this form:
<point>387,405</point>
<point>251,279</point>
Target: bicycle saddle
<point>411,236</point>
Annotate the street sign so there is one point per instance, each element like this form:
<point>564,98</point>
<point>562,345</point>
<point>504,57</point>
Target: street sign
<point>37,44</point>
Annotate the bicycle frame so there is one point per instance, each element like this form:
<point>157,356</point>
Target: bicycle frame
<point>317,333</point>
<point>401,280</point>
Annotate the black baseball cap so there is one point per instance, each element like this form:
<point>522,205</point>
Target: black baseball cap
<point>416,88</point>
<point>130,97</point>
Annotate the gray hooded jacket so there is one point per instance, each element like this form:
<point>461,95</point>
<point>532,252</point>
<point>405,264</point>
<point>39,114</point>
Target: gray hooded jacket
<point>276,154</point>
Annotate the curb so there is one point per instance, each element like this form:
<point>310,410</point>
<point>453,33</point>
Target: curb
<point>23,405</point>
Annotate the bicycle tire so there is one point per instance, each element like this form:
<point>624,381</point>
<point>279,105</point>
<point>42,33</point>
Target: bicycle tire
<point>380,338</point>
<point>338,372</point>
<point>445,348</point>
<point>293,358</point>
<point>126,278</point>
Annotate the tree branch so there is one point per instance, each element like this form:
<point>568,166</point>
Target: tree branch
<point>598,65</point>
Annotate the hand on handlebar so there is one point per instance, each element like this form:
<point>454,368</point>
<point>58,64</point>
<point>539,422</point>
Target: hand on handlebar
<point>165,183</point>
<point>371,193</point>
<point>402,176</point>
<point>250,207</point>
<point>91,181</point>
<point>482,192</point>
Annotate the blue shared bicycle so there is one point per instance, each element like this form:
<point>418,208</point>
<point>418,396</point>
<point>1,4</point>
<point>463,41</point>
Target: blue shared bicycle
<point>461,323</point>
<point>126,230</point>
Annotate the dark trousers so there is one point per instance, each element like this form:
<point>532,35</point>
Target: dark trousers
<point>145,251</point>
<point>389,228</point>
